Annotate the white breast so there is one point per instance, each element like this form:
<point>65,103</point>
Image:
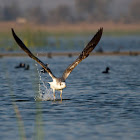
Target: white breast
<point>57,86</point>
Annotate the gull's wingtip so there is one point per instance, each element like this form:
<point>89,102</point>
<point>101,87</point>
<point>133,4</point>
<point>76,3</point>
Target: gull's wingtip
<point>101,29</point>
<point>12,30</point>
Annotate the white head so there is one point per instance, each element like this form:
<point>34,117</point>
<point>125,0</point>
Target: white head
<point>62,85</point>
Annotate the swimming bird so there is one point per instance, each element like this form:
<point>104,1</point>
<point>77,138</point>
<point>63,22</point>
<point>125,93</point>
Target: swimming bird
<point>27,67</point>
<point>21,65</point>
<point>43,70</point>
<point>59,83</point>
<point>107,70</point>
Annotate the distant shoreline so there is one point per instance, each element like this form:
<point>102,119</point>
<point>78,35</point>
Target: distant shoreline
<point>110,28</point>
<point>70,54</point>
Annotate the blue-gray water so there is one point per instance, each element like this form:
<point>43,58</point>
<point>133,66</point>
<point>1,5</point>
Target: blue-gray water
<point>76,43</point>
<point>95,106</point>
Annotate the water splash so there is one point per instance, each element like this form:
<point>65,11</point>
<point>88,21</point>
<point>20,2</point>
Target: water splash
<point>44,93</point>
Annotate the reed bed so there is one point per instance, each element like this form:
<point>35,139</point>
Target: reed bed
<point>36,36</point>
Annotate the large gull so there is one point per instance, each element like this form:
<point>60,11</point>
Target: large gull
<point>59,83</point>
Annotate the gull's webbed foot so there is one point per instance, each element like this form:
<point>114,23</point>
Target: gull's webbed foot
<point>61,94</point>
<point>54,94</point>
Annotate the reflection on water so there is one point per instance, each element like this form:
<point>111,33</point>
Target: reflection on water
<point>95,105</point>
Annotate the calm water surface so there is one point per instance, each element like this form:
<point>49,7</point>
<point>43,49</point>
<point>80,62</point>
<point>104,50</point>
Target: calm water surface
<point>95,105</point>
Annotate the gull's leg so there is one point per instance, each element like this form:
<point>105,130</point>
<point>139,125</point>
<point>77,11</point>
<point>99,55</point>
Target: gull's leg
<point>61,94</point>
<point>54,93</point>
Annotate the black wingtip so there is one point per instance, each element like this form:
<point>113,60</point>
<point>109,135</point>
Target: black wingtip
<point>12,30</point>
<point>13,33</point>
<point>100,30</point>
<point>99,33</point>
<point>96,38</point>
<point>17,39</point>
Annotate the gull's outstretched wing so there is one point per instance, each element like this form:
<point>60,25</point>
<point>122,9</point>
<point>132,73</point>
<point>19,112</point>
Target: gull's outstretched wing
<point>24,48</point>
<point>85,53</point>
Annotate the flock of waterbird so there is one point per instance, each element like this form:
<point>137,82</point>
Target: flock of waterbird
<point>59,83</point>
<point>23,65</point>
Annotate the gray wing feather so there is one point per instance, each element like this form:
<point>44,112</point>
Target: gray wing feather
<point>84,54</point>
<point>24,48</point>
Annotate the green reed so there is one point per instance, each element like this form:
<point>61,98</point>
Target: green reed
<point>39,38</point>
<point>15,108</point>
<point>33,39</point>
<point>39,133</point>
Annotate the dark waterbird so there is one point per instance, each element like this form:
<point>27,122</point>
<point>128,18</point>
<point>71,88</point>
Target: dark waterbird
<point>27,67</point>
<point>43,70</point>
<point>59,83</point>
<point>21,65</point>
<point>106,70</point>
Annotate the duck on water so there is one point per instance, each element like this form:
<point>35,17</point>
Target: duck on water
<point>106,70</point>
